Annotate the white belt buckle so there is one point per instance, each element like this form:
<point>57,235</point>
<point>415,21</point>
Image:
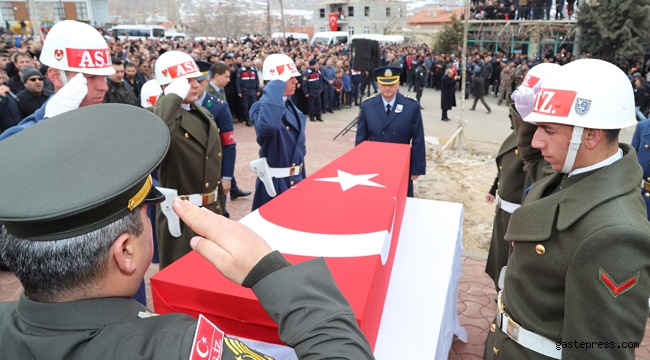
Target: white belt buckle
<point>512,330</point>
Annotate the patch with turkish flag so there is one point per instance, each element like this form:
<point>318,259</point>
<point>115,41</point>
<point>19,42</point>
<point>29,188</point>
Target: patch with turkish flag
<point>614,288</point>
<point>208,341</point>
<point>349,212</point>
<point>554,102</point>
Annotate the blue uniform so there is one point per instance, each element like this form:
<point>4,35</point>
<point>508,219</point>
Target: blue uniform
<point>402,126</point>
<point>641,143</point>
<point>280,129</point>
<point>327,75</point>
<point>33,119</point>
<point>248,86</point>
<point>311,84</point>
<point>221,114</point>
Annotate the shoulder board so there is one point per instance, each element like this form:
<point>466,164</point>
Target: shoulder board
<point>370,97</point>
<point>410,97</point>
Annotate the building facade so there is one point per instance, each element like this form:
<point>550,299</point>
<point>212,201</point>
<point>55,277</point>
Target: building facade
<point>94,12</point>
<point>361,17</point>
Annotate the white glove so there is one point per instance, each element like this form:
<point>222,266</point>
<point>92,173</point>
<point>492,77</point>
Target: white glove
<point>68,97</point>
<point>180,87</point>
<point>524,99</point>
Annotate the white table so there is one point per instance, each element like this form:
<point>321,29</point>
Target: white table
<point>421,305</point>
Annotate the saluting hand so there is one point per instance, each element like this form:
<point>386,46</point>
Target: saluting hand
<point>231,247</point>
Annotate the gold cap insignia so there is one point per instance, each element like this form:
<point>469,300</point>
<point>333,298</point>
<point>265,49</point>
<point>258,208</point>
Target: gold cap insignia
<point>388,73</point>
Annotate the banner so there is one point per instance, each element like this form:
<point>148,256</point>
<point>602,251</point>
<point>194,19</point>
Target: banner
<point>334,19</point>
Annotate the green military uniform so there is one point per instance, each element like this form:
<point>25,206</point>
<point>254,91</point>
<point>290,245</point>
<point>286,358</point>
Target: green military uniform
<point>505,84</point>
<point>578,267</point>
<point>192,166</point>
<point>511,178</point>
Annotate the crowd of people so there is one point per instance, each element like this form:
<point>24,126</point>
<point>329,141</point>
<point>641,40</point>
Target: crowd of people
<point>90,245</point>
<point>522,9</point>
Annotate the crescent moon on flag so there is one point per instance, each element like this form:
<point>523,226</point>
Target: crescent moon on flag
<point>295,242</point>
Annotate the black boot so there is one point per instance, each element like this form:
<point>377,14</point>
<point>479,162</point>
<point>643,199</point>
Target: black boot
<point>248,122</point>
<point>311,118</point>
<point>319,118</point>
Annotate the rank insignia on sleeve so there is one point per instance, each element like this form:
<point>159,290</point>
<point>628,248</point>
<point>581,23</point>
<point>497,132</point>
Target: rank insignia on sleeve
<point>614,288</point>
<point>241,351</point>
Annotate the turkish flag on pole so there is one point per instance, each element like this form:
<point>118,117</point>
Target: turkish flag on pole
<point>334,18</point>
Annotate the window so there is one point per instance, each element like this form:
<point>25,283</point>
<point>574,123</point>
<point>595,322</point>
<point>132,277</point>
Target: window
<point>322,29</point>
<point>8,13</point>
<point>82,10</point>
<point>59,12</point>
<point>399,12</point>
<point>366,10</point>
<point>350,11</point>
<point>387,11</point>
<point>351,30</point>
<point>322,13</point>
<point>366,30</point>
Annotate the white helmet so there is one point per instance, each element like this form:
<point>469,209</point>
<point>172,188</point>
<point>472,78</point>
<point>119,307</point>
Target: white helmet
<point>588,93</point>
<point>75,46</point>
<point>538,73</point>
<point>149,93</point>
<point>174,65</point>
<point>277,64</point>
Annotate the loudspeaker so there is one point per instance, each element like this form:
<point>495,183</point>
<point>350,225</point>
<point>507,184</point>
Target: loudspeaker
<point>365,54</point>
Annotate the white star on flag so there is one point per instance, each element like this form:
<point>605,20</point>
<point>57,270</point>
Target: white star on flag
<point>348,181</point>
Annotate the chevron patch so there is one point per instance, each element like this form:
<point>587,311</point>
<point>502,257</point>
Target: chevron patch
<point>241,351</point>
<point>614,288</point>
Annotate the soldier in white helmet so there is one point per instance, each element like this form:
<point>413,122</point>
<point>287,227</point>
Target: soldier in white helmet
<point>191,170</point>
<point>79,61</point>
<point>280,129</point>
<point>578,275</point>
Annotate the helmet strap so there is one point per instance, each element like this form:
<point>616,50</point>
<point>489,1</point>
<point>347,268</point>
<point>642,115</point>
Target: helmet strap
<point>576,140</point>
<point>64,78</point>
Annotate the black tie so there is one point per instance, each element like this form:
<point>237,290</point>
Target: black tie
<point>387,109</point>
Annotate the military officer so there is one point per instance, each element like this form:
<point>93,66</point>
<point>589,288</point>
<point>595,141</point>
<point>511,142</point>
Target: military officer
<point>312,84</point>
<point>248,88</point>
<point>578,276</point>
<point>87,236</point>
<point>393,117</point>
<point>511,182</point>
<point>419,81</point>
<point>641,143</point>
<point>505,83</point>
<point>280,129</point>
<point>220,77</point>
<point>192,168</point>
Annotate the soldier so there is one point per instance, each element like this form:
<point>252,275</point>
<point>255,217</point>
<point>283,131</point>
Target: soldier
<point>192,168</point>
<point>280,130</point>
<point>641,143</point>
<point>505,83</point>
<point>520,73</point>
<point>90,245</point>
<point>510,183</point>
<point>420,81</point>
<point>248,88</point>
<point>78,60</point>
<point>581,241</point>
<point>220,73</point>
<point>312,84</point>
<point>393,117</point>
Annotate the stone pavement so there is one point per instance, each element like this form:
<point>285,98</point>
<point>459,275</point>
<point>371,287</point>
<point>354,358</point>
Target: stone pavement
<point>476,306</point>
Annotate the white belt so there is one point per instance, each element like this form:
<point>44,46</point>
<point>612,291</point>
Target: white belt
<point>267,173</point>
<point>173,222</point>
<point>526,338</point>
<point>506,205</point>
<point>285,172</point>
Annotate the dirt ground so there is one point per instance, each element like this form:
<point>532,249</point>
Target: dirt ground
<point>466,179</point>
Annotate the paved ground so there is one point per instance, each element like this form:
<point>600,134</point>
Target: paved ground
<point>476,307</point>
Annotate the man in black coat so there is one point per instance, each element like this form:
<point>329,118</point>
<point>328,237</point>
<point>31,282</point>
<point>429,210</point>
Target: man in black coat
<point>447,89</point>
<point>34,95</point>
<point>420,81</point>
<point>478,89</point>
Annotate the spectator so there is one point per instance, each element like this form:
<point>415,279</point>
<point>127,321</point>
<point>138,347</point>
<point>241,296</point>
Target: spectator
<point>34,95</point>
<point>21,60</point>
<point>448,96</point>
<point>130,71</point>
<point>9,112</point>
<point>639,99</point>
<point>119,91</point>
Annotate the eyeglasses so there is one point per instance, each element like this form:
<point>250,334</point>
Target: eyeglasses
<point>35,79</point>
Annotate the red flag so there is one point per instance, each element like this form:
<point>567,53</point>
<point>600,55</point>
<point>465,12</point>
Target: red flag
<point>208,341</point>
<point>334,19</point>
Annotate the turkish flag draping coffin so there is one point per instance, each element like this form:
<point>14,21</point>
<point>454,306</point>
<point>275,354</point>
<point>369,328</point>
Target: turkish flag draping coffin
<point>350,212</point>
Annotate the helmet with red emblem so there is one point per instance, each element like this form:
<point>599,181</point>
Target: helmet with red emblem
<point>174,65</point>
<point>279,67</point>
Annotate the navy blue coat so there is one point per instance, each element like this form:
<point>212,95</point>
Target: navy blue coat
<point>641,143</point>
<point>33,119</point>
<point>221,115</point>
<point>404,127</point>
<point>280,129</point>
<point>9,113</point>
